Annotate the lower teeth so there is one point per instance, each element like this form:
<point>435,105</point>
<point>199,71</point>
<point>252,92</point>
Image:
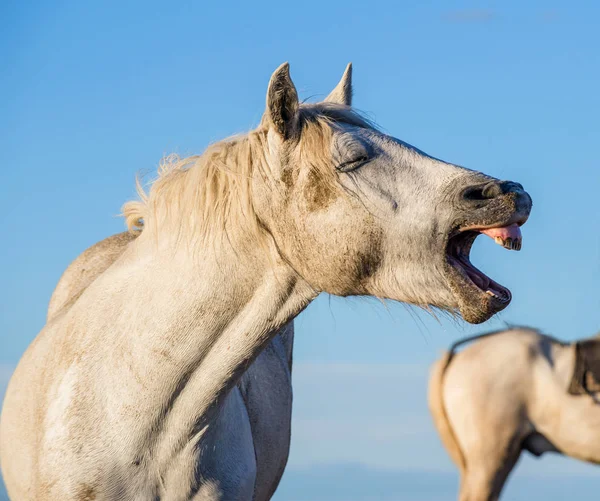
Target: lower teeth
<point>493,294</point>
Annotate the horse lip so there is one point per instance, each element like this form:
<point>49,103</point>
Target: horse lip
<point>512,208</point>
<point>517,218</point>
<point>474,304</point>
<point>520,203</point>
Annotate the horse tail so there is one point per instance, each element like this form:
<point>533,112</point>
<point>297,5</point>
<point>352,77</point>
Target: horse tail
<point>436,399</point>
<point>438,410</point>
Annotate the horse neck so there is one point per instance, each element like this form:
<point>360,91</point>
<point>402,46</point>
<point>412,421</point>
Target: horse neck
<point>201,319</point>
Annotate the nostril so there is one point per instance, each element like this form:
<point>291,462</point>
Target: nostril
<point>491,190</point>
<point>482,191</point>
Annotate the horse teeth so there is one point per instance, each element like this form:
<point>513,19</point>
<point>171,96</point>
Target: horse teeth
<point>509,243</point>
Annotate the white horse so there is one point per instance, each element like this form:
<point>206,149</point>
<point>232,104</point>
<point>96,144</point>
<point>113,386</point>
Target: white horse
<point>511,391</point>
<point>126,392</point>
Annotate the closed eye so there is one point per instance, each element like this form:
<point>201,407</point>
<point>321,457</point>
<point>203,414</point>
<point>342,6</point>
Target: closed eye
<point>353,164</point>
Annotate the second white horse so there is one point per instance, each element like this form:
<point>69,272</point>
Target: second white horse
<point>511,391</point>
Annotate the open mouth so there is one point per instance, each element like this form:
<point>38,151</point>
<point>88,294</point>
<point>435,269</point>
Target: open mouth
<point>458,250</point>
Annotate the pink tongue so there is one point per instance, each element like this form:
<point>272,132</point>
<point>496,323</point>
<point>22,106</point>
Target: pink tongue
<point>513,231</point>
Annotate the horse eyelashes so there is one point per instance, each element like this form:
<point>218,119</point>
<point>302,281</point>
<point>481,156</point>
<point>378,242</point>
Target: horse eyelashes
<point>353,164</point>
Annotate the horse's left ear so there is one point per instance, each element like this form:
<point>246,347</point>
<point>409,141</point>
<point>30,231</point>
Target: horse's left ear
<point>282,102</point>
<point>342,94</point>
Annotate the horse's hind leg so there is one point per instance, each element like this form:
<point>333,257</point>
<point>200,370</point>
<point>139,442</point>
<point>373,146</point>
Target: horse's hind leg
<point>487,470</point>
<point>477,484</point>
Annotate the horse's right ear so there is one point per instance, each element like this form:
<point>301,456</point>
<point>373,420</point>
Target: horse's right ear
<point>342,94</point>
<point>282,102</point>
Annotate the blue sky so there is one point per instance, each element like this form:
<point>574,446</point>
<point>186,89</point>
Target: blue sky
<point>93,94</point>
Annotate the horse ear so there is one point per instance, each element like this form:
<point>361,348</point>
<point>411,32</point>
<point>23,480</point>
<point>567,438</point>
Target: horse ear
<point>282,102</point>
<point>342,94</point>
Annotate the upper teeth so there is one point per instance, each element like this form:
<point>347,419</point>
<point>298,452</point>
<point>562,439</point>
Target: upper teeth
<point>510,243</point>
